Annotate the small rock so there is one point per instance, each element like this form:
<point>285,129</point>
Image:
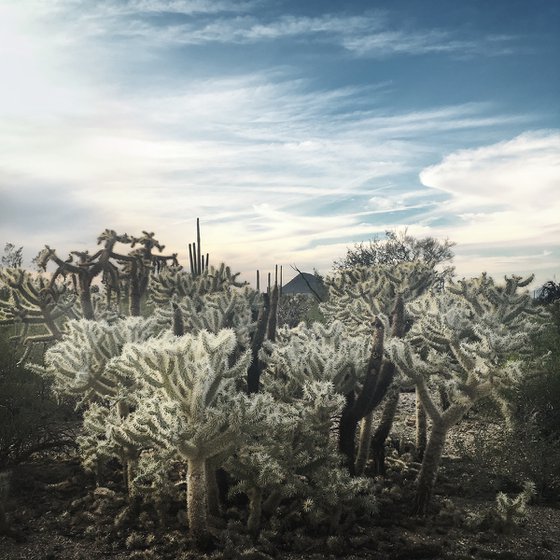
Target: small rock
<point>104,492</point>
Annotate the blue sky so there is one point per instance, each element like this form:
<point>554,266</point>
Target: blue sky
<point>292,129</point>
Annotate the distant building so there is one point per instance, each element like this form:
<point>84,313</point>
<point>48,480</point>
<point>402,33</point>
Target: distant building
<point>300,285</point>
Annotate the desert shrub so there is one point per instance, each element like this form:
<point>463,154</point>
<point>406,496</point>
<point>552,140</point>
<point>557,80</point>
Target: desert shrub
<point>293,309</point>
<point>30,418</point>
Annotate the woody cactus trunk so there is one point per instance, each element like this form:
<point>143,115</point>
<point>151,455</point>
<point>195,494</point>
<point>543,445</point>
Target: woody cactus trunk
<point>378,378</point>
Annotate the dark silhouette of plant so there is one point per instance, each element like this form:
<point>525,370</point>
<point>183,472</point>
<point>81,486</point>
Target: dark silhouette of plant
<point>549,292</point>
<point>398,247</point>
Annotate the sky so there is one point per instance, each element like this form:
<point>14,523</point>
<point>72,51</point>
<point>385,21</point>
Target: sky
<point>292,129</point>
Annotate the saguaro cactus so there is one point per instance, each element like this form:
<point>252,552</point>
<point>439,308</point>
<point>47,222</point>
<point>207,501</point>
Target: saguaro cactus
<point>197,260</point>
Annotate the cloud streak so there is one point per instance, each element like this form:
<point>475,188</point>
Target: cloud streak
<point>202,22</point>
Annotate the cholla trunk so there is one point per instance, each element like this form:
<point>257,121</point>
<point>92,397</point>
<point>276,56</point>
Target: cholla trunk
<point>213,491</point>
<point>421,429</point>
<point>197,499</point>
<point>444,398</point>
<point>254,371</point>
<point>441,425</point>
<point>334,521</point>
<point>273,314</point>
<point>430,465</point>
<point>86,304</point>
<point>384,429</point>
<point>4,491</point>
<point>272,503</point>
<point>366,428</point>
<point>255,511</point>
<point>134,303</point>
<point>128,472</point>
<point>347,433</point>
<point>129,454</point>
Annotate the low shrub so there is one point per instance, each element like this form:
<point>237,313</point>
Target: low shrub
<point>30,419</point>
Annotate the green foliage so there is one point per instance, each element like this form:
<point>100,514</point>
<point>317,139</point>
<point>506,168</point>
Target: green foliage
<point>396,248</point>
<point>30,419</point>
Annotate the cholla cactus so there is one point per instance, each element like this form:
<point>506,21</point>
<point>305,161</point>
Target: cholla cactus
<point>512,511</point>
<point>506,513</point>
<point>214,311</point>
<point>360,295</point>
<point>96,446</point>
<point>174,282</point>
<point>462,339</point>
<point>84,268</point>
<point>315,353</point>
<point>336,498</point>
<point>364,298</point>
<point>188,402</point>
<point>79,364</point>
<point>293,441</point>
<point>35,302</point>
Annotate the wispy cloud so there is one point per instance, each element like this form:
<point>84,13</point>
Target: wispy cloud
<point>200,22</point>
<point>392,42</point>
<point>112,8</point>
<point>255,158</point>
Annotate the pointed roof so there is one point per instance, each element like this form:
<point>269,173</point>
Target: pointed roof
<point>298,285</point>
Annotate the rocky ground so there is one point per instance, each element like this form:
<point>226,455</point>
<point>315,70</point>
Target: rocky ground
<point>56,512</point>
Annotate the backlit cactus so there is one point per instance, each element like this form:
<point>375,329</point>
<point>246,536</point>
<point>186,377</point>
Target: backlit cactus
<point>464,340</point>
<point>191,405</point>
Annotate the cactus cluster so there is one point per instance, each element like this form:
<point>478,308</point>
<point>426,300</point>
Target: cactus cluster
<point>465,342</point>
<point>209,383</point>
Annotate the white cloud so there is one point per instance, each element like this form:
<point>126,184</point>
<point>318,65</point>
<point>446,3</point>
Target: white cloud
<point>254,156</point>
<point>505,196</point>
<point>520,173</point>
